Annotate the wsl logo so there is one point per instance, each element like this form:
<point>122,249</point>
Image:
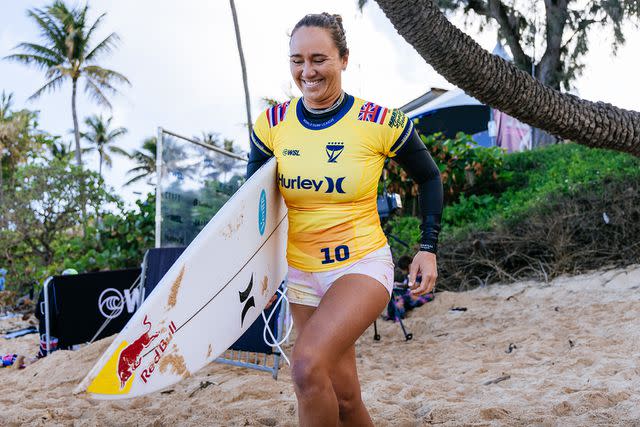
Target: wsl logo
<point>111,302</point>
<point>334,149</point>
<point>288,152</point>
<point>328,184</point>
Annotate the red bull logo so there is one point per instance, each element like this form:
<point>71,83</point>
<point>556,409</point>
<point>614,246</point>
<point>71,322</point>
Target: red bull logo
<point>158,352</point>
<point>131,356</point>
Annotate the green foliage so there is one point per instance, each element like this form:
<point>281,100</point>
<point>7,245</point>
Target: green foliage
<point>101,137</point>
<point>464,168</point>
<point>469,210</point>
<point>67,51</point>
<point>45,205</point>
<point>531,178</point>
<point>19,138</point>
<point>145,159</point>
<point>407,229</point>
<point>120,240</point>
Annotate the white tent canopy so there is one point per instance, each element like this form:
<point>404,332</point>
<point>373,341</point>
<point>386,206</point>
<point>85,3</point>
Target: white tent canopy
<point>452,98</point>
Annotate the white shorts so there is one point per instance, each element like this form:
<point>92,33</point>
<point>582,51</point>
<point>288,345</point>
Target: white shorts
<point>307,288</point>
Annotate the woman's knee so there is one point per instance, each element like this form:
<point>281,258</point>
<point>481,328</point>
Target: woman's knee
<point>349,401</point>
<point>308,372</point>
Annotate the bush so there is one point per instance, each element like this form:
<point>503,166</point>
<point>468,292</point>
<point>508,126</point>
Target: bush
<point>561,209</point>
<point>464,167</point>
<point>569,233</point>
<point>531,178</point>
<point>407,229</point>
<point>120,240</point>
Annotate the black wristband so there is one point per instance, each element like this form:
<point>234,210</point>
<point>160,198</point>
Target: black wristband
<point>429,247</point>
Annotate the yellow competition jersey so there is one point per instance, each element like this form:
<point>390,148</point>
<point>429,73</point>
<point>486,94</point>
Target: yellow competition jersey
<point>328,174</point>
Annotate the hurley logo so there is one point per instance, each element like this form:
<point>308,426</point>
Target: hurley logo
<point>299,183</point>
<point>334,149</point>
<point>250,302</point>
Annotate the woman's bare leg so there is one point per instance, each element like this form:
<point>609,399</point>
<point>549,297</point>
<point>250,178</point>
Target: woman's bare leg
<point>327,336</point>
<point>344,378</point>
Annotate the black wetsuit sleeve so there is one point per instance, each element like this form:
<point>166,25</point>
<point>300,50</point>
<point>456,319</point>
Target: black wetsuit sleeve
<point>257,158</point>
<point>415,159</point>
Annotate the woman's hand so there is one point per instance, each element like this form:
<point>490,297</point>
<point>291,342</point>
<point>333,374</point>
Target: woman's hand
<point>425,265</point>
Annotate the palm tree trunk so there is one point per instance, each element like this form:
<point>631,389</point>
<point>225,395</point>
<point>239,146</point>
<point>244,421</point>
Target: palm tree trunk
<point>76,128</point>
<point>243,66</point>
<point>100,164</point>
<point>502,85</point>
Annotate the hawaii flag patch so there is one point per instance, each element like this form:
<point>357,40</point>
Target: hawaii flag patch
<point>277,114</point>
<point>371,112</point>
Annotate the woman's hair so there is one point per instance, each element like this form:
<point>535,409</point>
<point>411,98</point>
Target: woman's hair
<point>333,23</point>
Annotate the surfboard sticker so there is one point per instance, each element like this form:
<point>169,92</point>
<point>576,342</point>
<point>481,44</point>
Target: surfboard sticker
<point>208,298</point>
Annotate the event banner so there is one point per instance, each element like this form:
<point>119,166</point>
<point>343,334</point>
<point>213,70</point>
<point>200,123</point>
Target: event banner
<point>79,305</point>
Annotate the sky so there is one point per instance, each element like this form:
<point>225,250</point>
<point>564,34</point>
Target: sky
<point>182,60</point>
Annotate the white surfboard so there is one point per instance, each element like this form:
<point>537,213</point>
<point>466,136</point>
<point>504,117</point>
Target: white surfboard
<point>208,298</point>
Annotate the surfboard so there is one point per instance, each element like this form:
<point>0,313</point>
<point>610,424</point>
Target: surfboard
<point>208,298</point>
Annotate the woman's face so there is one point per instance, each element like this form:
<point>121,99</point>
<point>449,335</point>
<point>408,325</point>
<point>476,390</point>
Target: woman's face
<point>316,66</point>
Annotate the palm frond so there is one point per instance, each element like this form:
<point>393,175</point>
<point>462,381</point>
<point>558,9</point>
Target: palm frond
<point>120,151</point>
<point>95,25</point>
<point>40,62</point>
<point>105,46</point>
<point>106,159</point>
<point>140,169</point>
<point>48,28</point>
<point>83,151</point>
<point>116,133</point>
<point>137,178</point>
<point>96,94</point>
<point>104,76</point>
<point>51,85</point>
<point>42,51</point>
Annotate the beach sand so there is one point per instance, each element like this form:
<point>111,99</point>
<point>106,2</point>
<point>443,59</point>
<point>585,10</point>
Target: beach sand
<point>574,360</point>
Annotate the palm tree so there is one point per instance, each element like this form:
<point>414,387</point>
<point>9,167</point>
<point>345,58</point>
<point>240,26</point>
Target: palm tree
<point>236,26</point>
<point>102,139</point>
<point>67,55</point>
<point>502,85</point>
<point>59,150</point>
<point>146,160</point>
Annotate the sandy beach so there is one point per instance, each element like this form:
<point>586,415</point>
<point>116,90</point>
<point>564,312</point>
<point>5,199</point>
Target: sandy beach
<point>559,354</point>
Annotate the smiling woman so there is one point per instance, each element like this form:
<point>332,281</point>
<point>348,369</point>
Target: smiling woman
<point>318,57</point>
<point>330,148</point>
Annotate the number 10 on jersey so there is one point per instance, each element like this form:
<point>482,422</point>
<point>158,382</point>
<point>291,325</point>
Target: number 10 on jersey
<point>340,253</point>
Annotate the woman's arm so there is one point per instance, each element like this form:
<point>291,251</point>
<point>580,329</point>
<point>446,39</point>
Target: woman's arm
<point>257,158</point>
<point>415,159</point>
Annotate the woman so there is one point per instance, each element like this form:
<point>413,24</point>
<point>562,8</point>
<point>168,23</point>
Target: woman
<point>330,148</point>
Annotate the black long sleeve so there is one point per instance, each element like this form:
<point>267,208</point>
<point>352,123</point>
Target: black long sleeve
<point>257,158</point>
<point>415,159</point>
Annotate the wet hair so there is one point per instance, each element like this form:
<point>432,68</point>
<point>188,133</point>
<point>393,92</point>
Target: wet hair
<point>333,23</point>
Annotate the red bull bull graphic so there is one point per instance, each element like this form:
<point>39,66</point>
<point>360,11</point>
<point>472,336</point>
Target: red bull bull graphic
<point>158,352</point>
<point>131,356</point>
<point>118,374</point>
